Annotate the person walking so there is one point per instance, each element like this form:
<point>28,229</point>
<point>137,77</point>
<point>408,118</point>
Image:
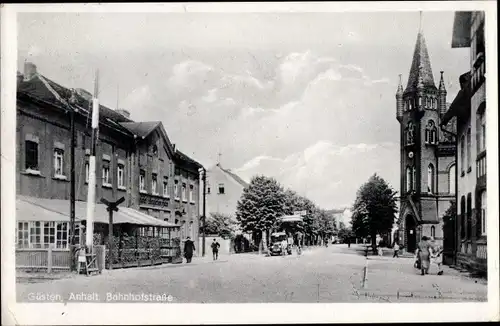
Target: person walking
<point>348,242</point>
<point>436,255</point>
<point>188,249</point>
<point>284,244</point>
<point>423,254</point>
<point>396,250</point>
<point>215,249</point>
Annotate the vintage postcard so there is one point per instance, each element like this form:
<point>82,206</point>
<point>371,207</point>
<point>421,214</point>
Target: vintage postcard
<point>249,162</point>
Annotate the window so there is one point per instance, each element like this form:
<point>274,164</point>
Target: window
<point>462,217</point>
<point>49,233</point>
<point>191,193</point>
<point>433,231</point>
<point>414,179</point>
<point>411,133</point>
<point>408,178</point>
<point>155,150</point>
<point>62,235</point>
<point>31,159</point>
<point>77,234</point>
<point>451,179</point>
<point>430,133</point>
<point>469,216</point>
<point>105,175</point>
<point>35,235</point>
<point>154,184</point>
<point>87,172</point>
<point>165,187</point>
<point>430,179</point>
<point>176,189</point>
<point>184,192</point>
<point>221,188</point>
<point>22,235</point>
<point>481,132</point>
<point>468,149</point>
<point>483,213</point>
<point>119,172</point>
<point>58,162</point>
<point>462,154</point>
<point>142,181</point>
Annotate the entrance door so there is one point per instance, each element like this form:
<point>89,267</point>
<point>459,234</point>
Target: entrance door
<point>411,234</point>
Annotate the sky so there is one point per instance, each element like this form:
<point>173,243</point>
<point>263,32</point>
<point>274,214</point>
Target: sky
<point>307,98</point>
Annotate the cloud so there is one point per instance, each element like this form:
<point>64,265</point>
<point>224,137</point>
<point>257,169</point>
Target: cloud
<point>329,174</point>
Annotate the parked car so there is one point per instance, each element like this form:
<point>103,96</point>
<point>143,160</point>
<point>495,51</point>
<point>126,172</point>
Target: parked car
<point>276,248</point>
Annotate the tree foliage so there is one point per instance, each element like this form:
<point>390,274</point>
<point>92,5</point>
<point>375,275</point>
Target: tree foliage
<point>374,208</point>
<point>220,224</point>
<point>261,204</point>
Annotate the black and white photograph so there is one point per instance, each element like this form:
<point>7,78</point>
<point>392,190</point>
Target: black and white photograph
<point>164,155</point>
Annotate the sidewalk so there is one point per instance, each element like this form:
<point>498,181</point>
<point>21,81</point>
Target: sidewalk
<point>397,280</point>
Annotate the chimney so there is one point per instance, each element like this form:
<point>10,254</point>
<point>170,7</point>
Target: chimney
<point>29,70</point>
<point>124,112</point>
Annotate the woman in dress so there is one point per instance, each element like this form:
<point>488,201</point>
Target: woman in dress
<point>424,255</point>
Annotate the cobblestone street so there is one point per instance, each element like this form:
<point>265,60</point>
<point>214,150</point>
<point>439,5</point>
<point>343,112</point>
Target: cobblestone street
<point>328,275</point>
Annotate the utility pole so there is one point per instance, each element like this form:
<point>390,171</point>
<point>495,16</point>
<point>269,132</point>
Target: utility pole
<point>204,209</point>
<point>92,166</point>
<point>72,111</point>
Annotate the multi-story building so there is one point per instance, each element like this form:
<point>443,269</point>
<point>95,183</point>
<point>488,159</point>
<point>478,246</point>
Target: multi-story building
<point>427,155</point>
<point>134,160</point>
<point>469,109</point>
<point>224,189</point>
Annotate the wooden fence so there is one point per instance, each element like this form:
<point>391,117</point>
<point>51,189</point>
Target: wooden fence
<point>48,260</point>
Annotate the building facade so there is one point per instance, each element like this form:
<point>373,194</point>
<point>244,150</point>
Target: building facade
<point>134,160</point>
<point>469,109</point>
<point>224,189</point>
<point>427,155</point>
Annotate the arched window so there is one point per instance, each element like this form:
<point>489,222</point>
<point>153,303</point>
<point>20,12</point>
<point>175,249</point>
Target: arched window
<point>433,231</point>
<point>430,179</point>
<point>483,213</point>
<point>414,178</point>
<point>408,178</point>
<point>430,133</point>
<point>411,132</point>
<point>462,217</point>
<point>451,179</point>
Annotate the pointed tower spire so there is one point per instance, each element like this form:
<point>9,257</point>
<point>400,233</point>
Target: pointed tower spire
<point>420,23</point>
<point>420,84</point>
<point>400,86</point>
<point>420,66</point>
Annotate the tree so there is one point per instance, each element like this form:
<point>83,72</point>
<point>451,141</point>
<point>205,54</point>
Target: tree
<point>220,224</point>
<point>344,232</point>
<point>374,209</point>
<point>260,205</point>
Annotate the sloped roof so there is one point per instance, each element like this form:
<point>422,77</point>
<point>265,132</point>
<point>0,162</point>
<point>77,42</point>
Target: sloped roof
<point>180,156</point>
<point>41,87</point>
<point>234,176</point>
<point>420,66</point>
<point>141,129</point>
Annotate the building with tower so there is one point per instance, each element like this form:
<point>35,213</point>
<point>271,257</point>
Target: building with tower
<point>427,153</point>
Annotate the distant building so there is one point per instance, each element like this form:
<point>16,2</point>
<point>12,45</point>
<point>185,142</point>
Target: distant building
<point>469,108</point>
<point>427,155</point>
<point>224,189</point>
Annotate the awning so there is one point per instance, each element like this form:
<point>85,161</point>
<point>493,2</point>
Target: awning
<point>43,209</point>
<point>291,218</point>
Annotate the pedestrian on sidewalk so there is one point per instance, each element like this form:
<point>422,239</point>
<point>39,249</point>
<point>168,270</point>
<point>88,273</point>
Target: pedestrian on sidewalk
<point>423,254</point>
<point>396,250</point>
<point>215,249</point>
<point>437,255</point>
<point>188,249</point>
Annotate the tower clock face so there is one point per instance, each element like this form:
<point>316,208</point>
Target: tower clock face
<point>410,154</point>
